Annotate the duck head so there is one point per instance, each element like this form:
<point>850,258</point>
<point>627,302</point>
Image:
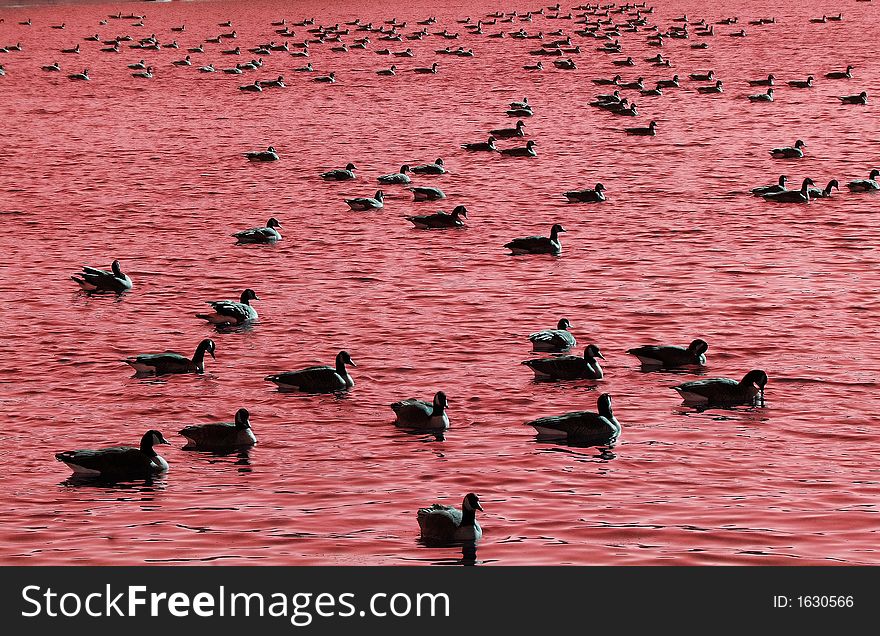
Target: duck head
<point>440,401</point>
<point>460,210</point>
<point>343,358</point>
<point>756,378</point>
<point>563,324</point>
<point>273,222</point>
<point>698,347</point>
<point>592,351</point>
<point>471,503</point>
<point>350,167</point>
<point>150,438</point>
<point>117,269</point>
<point>799,144</point>
<point>206,346</point>
<point>603,405</point>
<point>556,229</point>
<point>242,418</point>
<point>248,295</point>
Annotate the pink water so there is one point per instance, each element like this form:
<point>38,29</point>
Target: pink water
<point>151,172</point>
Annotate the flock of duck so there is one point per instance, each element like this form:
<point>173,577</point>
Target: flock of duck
<point>608,23</point>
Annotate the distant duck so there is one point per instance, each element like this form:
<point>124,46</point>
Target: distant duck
<point>270,154</point>
<point>671,356</point>
<point>275,83</point>
<point>344,174</point>
<point>440,220</point>
<point>318,379</point>
<point>268,234</point>
<point>670,83</point>
<point>703,77</point>
<point>221,435</point>
<point>388,71</point>
<point>430,168</point>
<point>538,244</point>
<point>233,71</point>
<point>171,362</point>
<point>717,88</point>
<point>723,391</point>
<point>523,104</point>
<point>534,67</point>
<point>823,19</point>
<point>816,193</point>
<point>594,195</point>
<point>118,461</point>
<point>506,133</point>
<point>432,69</point>
<point>196,49</point>
<point>441,524</point>
<point>566,65</point>
<point>328,79</point>
<point>847,74</point>
<point>807,83</point>
<point>789,152</point>
<point>146,73</point>
<point>738,34</point>
<point>305,69</point>
<point>256,87</point>
<point>626,110</point>
<point>100,280</point>
<point>525,151</point>
<point>367,203</point>
<point>74,50</point>
<point>520,112</point>
<point>54,67</point>
<point>555,340</point>
<point>865,185</point>
<point>770,189</point>
<point>792,196</point>
<point>652,92</point>
<point>230,312</point>
<point>400,177</point>
<point>415,413</point>
<point>584,367</point>
<point>637,85</point>
<point>861,98</point>
<point>184,62</point>
<point>627,62</point>
<point>581,425</point>
<point>481,146</point>
<point>762,97</point>
<point>770,81</point>
<point>426,193</point>
<point>58,26</point>
<point>138,66</point>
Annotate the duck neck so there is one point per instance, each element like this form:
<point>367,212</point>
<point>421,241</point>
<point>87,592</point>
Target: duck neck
<point>147,446</point>
<point>199,356</point>
<point>340,367</point>
<point>468,517</point>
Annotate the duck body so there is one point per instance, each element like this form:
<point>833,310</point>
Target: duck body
<point>118,461</point>
<point>871,184</point>
<point>440,220</point>
<point>427,193</point>
<point>792,196</point>
<point>221,435</point>
<point>317,379</point>
<point>538,244</point>
<point>507,133</point>
<point>523,151</point>
<point>171,362</point>
<point>584,367</point>
<point>430,168</point>
<point>367,203</point>
<point>724,391</point>
<point>230,312</point>
<point>554,340</point>
<point>415,413</point>
<point>95,280</point>
<point>593,195</point>
<point>344,174</point>
<point>599,426</point>
<point>396,178</point>
<point>446,524</point>
<point>671,356</point>
<point>270,154</point>
<point>789,152</point>
<point>770,189</point>
<point>268,234</point>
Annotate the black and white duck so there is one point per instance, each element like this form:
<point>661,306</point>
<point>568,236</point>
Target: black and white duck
<point>415,413</point>
<point>584,367</point>
<point>724,391</point>
<point>589,195</point>
<point>230,312</point>
<point>671,356</point>
<point>172,362</point>
<point>538,244</point>
<point>599,426</point>
<point>317,379</point>
<point>440,220</point>
<point>221,435</point>
<point>94,280</point>
<point>446,524</point>
<point>267,234</point>
<point>118,461</point>
<point>554,340</point>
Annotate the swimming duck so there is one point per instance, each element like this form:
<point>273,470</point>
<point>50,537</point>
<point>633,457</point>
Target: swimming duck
<point>670,356</point>
<point>523,104</point>
<point>527,151</point>
<point>792,196</point>
<point>594,195</point>
<point>762,97</point>
<point>865,185</point>
<point>275,83</point>
<point>367,203</point>
<point>717,88</point>
<point>415,413</point>
<point>771,79</point>
<point>861,98</point>
<point>652,92</point>
<point>430,168</point>
<point>566,65</point>
<point>506,133</point>
<point>270,154</point>
<point>329,79</point>
<point>627,62</point>
<point>626,110</point>
<point>538,244</point>
<point>432,69</point>
<point>520,112</point>
<point>54,67</point>
<point>397,177</point>
<point>171,362</point>
<point>233,71</point>
<point>305,69</point>
<point>584,367</point>
<point>80,76</point>
<point>229,312</point>
<point>344,174</point>
<point>388,71</point>
<point>724,391</point>
<point>483,145</point>
<point>426,193</point>
<point>268,234</point>
<point>770,189</point>
<point>440,220</point>
<point>534,67</point>
<point>581,425</point>
<point>847,74</point>
<point>146,73</point>
<point>738,34</point>
<point>789,152</point>
<point>221,435</point>
<point>100,280</point>
<point>256,87</point>
<point>74,50</point>
<point>196,49</point>
<point>670,83</point>
<point>636,85</point>
<point>556,340</point>
<point>318,379</point>
<point>184,62</point>
<point>816,193</point>
<point>703,77</point>
<point>118,461</point>
<point>138,66</point>
<point>446,524</point>
<point>807,83</point>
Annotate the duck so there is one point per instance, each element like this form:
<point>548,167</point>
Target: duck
<point>789,152</point>
<point>172,362</point>
<point>861,98</point>
<point>717,88</point>
<point>74,50</point>
<point>437,167</point>
<point>625,110</point>
<point>432,70</point>
<point>523,151</point>
<point>816,193</point>
<point>230,312</point>
<point>584,367</point>
<point>367,203</point>
<point>327,79</point>
<point>275,83</point>
<point>146,73</point>
<point>807,83</point>
<point>221,435</point>
<point>267,234</point>
<point>507,133</point>
<point>703,77</point>
<point>80,76</point>
<point>95,280</point>
<point>627,62</point>
<point>637,85</point>
<point>187,61</point>
<point>54,67</point>
<point>256,87</point>
<point>538,244</point>
<point>318,379</point>
<point>520,112</point>
<point>770,81</point>
<point>847,74</point>
<point>555,340</point>
<point>652,92</point>
<point>138,66</point>
<point>534,67</point>
<point>441,524</point>
<point>724,391</point>
<point>865,185</point>
<point>400,177</point>
<point>118,461</point>
<point>233,71</point>
<point>670,83</point>
<point>343,174</point>
<point>671,356</point>
<point>594,195</point>
<point>426,193</point>
<point>792,196</point>
<point>440,220</point>
<point>566,65</point>
<point>270,154</point>
<point>196,49</point>
<point>388,71</point>
<point>305,69</point>
<point>770,189</point>
<point>581,425</point>
<point>762,97</point>
<point>523,104</point>
<point>738,34</point>
<point>415,413</point>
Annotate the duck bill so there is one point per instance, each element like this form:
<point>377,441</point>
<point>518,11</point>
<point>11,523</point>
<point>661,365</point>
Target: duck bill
<point>351,363</point>
<point>479,507</point>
